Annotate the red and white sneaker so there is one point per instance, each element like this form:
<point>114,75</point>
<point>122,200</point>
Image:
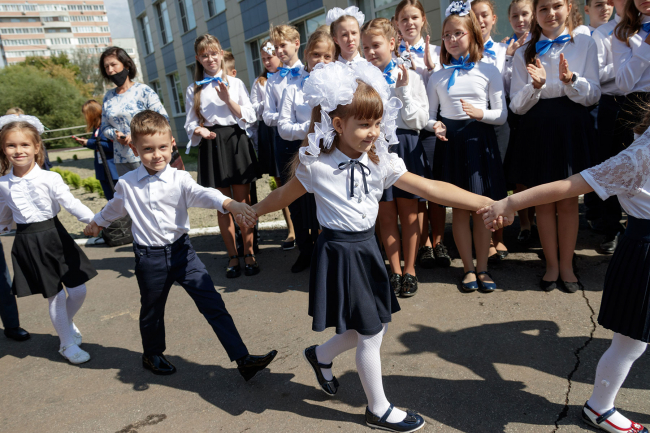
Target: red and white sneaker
<point>600,421</point>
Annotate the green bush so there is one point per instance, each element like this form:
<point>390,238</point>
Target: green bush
<point>273,184</point>
<point>74,180</point>
<point>59,160</point>
<point>91,184</point>
<point>74,157</point>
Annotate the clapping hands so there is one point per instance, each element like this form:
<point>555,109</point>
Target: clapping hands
<point>537,73</point>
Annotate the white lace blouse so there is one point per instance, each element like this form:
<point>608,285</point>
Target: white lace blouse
<point>332,187</point>
<point>626,175</point>
<point>37,196</point>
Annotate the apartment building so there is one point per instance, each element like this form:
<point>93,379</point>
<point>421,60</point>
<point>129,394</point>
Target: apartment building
<point>47,27</point>
<point>166,30</point>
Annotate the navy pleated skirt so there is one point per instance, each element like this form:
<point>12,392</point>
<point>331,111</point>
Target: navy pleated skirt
<point>470,158</point>
<point>410,149</point>
<point>266,149</point>
<point>428,141</point>
<point>625,307</point>
<point>348,284</point>
<point>553,142</point>
<point>45,257</point>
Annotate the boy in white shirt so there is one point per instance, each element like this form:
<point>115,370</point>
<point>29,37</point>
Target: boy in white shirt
<point>157,196</point>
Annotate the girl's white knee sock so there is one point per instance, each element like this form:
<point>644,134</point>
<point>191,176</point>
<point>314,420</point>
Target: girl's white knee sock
<point>333,347</point>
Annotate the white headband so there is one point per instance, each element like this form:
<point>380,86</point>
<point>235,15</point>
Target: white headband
<point>459,7</point>
<point>22,118</point>
<point>353,11</point>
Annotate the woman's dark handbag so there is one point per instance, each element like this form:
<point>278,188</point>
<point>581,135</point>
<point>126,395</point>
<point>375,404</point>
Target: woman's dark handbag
<point>119,232</point>
<point>176,161</point>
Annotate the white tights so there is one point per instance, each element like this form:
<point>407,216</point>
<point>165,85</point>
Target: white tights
<point>62,311</point>
<point>368,365</point>
<point>612,370</point>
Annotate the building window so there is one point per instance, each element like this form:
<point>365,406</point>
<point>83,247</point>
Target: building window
<point>146,34</point>
<point>155,85</point>
<point>384,8</point>
<point>190,73</point>
<point>163,20</point>
<point>176,92</point>
<point>306,28</point>
<point>256,56</point>
<point>216,7</point>
<point>187,15</point>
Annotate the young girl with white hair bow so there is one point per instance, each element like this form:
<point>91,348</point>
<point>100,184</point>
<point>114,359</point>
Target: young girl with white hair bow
<point>345,163</point>
<point>345,28</point>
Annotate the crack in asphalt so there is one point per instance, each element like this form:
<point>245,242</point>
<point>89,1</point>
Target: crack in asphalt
<point>565,411</point>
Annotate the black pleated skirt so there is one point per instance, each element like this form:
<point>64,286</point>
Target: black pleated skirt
<point>428,141</point>
<point>228,159</point>
<point>411,150</point>
<point>553,142</point>
<point>470,158</point>
<point>625,307</point>
<point>45,257</point>
<point>348,284</point>
<point>513,123</point>
<point>266,150</point>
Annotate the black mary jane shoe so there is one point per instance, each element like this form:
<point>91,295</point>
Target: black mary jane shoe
<point>396,283</point>
<point>472,286</point>
<point>158,364</point>
<point>233,271</point>
<point>329,387</point>
<point>252,269</point>
<point>484,287</point>
<point>412,422</point>
<point>571,287</point>
<point>288,245</point>
<point>17,334</point>
<point>599,421</point>
<point>547,286</point>
<point>409,286</point>
<point>441,253</point>
<point>524,236</point>
<point>249,365</point>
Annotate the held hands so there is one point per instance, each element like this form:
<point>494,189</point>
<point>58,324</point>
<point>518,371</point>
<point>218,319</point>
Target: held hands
<point>92,229</point>
<point>402,76</point>
<point>565,73</point>
<point>205,133</point>
<point>472,111</point>
<point>244,214</point>
<point>441,131</point>
<point>497,215</point>
<point>513,46</point>
<point>537,73</point>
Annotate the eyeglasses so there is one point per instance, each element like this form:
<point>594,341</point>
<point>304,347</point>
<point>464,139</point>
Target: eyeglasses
<point>453,36</point>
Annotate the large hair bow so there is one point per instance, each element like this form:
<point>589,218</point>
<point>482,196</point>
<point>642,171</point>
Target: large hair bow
<point>459,7</point>
<point>353,11</point>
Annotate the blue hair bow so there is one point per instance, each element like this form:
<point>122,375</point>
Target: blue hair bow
<point>542,47</point>
<point>456,65</point>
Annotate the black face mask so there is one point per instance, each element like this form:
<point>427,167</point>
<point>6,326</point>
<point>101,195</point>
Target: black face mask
<point>119,78</point>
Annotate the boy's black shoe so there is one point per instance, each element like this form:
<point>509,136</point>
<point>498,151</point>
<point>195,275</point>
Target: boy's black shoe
<point>158,364</point>
<point>609,244</point>
<point>18,334</point>
<point>249,365</point>
<point>426,258</point>
<point>303,262</point>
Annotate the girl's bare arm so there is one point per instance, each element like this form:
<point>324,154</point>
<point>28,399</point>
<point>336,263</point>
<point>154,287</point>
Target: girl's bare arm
<point>442,193</point>
<point>281,197</point>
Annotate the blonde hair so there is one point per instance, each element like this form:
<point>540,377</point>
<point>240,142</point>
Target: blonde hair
<point>201,44</point>
<point>316,37</point>
<point>15,110</point>
<point>283,32</point>
<point>334,26</point>
<point>380,27</point>
<point>470,23</point>
<point>29,130</point>
<point>149,122</point>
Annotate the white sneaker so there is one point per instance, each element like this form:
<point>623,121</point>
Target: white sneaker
<point>600,421</point>
<point>78,358</point>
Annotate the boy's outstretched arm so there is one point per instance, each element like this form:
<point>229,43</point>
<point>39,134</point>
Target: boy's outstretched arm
<point>442,193</point>
<point>281,197</point>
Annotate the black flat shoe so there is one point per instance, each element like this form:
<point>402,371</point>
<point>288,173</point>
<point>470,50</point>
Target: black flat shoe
<point>158,364</point>
<point>426,259</point>
<point>233,271</point>
<point>288,245</point>
<point>524,236</point>
<point>547,286</point>
<point>396,283</point>
<point>502,254</point>
<point>608,245</point>
<point>249,365</point>
<point>412,422</point>
<point>494,258</point>
<point>472,286</point>
<point>442,255</point>
<point>483,286</point>
<point>303,262</point>
<point>571,287</point>
<point>409,286</point>
<point>253,269</point>
<point>328,386</point>
<point>18,334</point>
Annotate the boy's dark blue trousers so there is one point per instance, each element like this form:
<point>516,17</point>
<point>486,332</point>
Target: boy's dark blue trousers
<point>157,268</point>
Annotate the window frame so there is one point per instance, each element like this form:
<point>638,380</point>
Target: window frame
<point>210,13</point>
<point>164,23</point>
<point>175,88</point>
<point>186,15</point>
<point>145,28</point>
<point>155,85</point>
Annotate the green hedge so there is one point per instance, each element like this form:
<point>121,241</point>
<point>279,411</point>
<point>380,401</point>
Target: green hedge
<point>90,184</point>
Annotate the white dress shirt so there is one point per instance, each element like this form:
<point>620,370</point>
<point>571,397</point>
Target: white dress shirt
<point>257,98</point>
<point>355,59</point>
<point>158,204</point>
<point>37,196</point>
<point>507,69</point>
<point>295,114</point>
<point>626,176</point>
<point>418,59</point>
<point>582,56</point>
<point>275,86</point>
<point>479,86</point>
<point>414,113</point>
<point>603,38</point>
<point>335,209</point>
<point>214,110</point>
<point>499,57</point>
<point>583,30</point>
<point>631,63</point>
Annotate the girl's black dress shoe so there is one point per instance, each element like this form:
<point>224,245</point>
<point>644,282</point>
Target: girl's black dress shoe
<point>253,269</point>
<point>409,286</point>
<point>249,365</point>
<point>233,271</point>
<point>547,286</point>
<point>412,422</point>
<point>158,364</point>
<point>328,386</point>
<point>395,281</point>
<point>571,287</point>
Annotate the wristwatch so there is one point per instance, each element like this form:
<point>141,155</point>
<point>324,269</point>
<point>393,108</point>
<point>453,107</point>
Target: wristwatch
<point>574,78</point>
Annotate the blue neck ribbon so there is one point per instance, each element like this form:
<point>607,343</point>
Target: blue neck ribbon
<point>487,48</point>
<point>646,27</point>
<point>285,71</point>
<point>209,80</point>
<point>456,65</point>
<point>387,71</point>
<point>420,50</point>
<point>512,38</point>
<point>268,74</point>
<point>542,47</point>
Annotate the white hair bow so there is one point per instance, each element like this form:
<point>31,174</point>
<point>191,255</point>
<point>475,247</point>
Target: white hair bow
<point>4,120</point>
<point>353,11</point>
<point>269,49</point>
<point>458,7</point>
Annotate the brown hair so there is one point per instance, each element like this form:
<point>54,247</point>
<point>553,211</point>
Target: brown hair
<point>576,16</point>
<point>27,129</point>
<point>123,57</point>
<point>201,44</point>
<point>470,22</point>
<point>149,122</point>
<point>493,9</point>
<point>536,32</point>
<point>283,32</point>
<point>334,26</point>
<point>381,27</point>
<point>630,23</point>
<point>262,77</point>
<point>516,2</point>
<point>228,61</point>
<point>92,111</point>
<point>316,37</point>
<point>15,110</point>
<point>416,4</point>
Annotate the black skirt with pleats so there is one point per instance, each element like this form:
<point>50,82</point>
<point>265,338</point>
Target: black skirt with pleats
<point>266,150</point>
<point>411,151</point>
<point>348,284</point>
<point>45,257</point>
<point>470,158</point>
<point>228,159</point>
<point>552,142</point>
